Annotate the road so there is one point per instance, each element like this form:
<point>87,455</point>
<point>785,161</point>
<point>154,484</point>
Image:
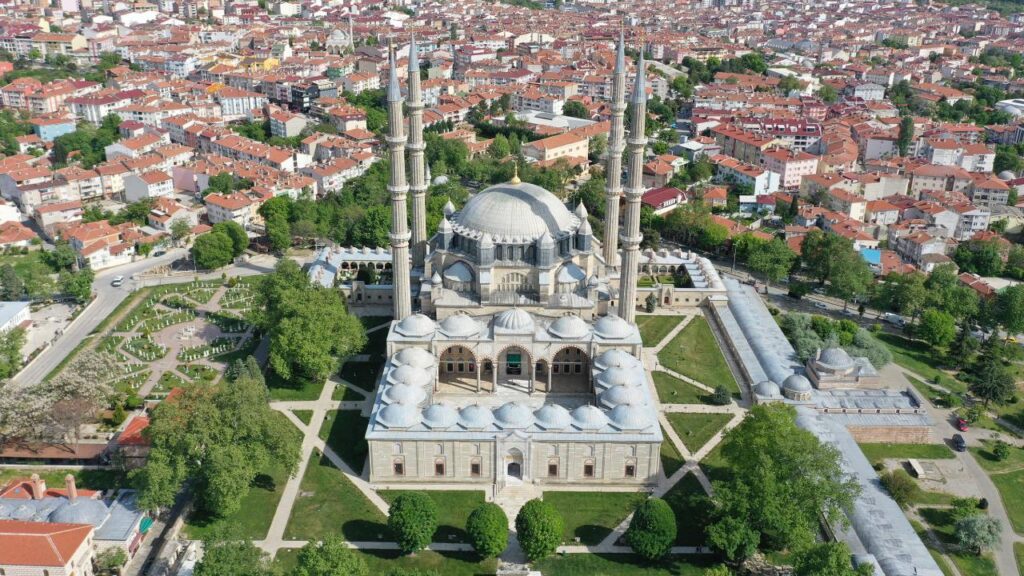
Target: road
<point>1006,562</point>
<point>666,69</point>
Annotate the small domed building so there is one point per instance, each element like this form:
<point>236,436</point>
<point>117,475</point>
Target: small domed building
<point>834,368</point>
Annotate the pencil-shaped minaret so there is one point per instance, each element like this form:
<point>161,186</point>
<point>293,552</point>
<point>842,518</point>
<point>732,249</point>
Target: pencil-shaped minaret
<point>613,164</point>
<point>398,188</point>
<point>417,173</point>
<point>631,236</point>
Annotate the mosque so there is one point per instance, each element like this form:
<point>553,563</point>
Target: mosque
<point>515,357</point>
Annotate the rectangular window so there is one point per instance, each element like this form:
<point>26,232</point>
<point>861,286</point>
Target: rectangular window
<point>577,368</point>
<point>399,469</point>
<point>462,367</point>
<point>588,470</point>
<point>474,469</point>
<point>450,367</point>
<point>439,469</point>
<point>552,470</point>
<point>630,471</point>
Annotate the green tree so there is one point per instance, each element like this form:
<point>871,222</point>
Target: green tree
<point>991,381</point>
<point>828,93</point>
<point>788,84</point>
<point>977,533</point>
<point>1001,450</point>
<point>576,109</point>
<point>77,285</point>
<point>906,135</point>
<point>11,344</point>
<point>901,487</point>
<point>11,286</point>
<point>233,558</point>
<point>62,257</point>
<point>1010,309</point>
<point>487,527</point>
<point>412,519</point>
<point>234,231</point>
<point>964,507</point>
<point>539,528</point>
<point>313,330</point>
<point>212,250</point>
<point>499,147</point>
<point>772,259</point>
<point>828,559</point>
<point>373,230</point>
<point>652,531</point>
<point>936,327</point>
<point>783,480</point>
<point>111,560</point>
<point>331,557</point>
<point>903,293</point>
<point>180,229</point>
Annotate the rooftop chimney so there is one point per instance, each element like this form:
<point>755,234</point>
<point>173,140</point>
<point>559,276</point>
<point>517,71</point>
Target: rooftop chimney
<point>38,486</point>
<point>69,483</point>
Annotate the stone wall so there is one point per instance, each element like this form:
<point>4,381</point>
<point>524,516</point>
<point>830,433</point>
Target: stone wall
<point>892,434</point>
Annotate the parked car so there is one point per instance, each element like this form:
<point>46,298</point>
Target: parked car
<point>894,319</point>
<point>959,444</point>
<point>117,281</point>
<point>961,425</point>
<point>821,305</point>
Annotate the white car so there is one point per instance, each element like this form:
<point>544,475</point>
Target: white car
<point>117,281</point>
<point>821,305</point>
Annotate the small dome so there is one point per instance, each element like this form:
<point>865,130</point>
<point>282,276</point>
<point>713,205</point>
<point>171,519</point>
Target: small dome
<point>615,359</point>
<point>514,320</point>
<point>546,240</point>
<point>621,395</point>
<point>1007,175</point>
<point>835,358</point>
<point>435,279</point>
<point>619,377</point>
<point>581,211</point>
<point>404,394</point>
<point>398,415</point>
<point>585,228</point>
<point>513,415</point>
<point>81,511</point>
<point>589,417</point>
<point>571,326</point>
<point>593,282</point>
<point>475,417</point>
<point>440,416</point>
<point>415,357</point>
<point>767,389</point>
<point>797,387</point>
<point>552,417</point>
<point>459,326</point>
<point>440,179</point>
<point>444,226</point>
<point>416,326</point>
<point>449,208</point>
<point>409,375</point>
<point>612,327</point>
<point>629,417</point>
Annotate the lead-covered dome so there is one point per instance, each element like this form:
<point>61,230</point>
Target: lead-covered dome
<point>81,511</point>
<point>475,417</point>
<point>519,212</point>
<point>514,320</point>
<point>835,358</point>
<point>767,389</point>
<point>440,416</point>
<point>415,357</point>
<point>415,326</point>
<point>404,394</point>
<point>615,358</point>
<point>612,328</point>
<point>552,417</point>
<point>797,387</point>
<point>570,326</point>
<point>621,395</point>
<point>398,415</point>
<point>513,415</point>
<point>619,377</point>
<point>589,417</point>
<point>409,375</point>
<point>629,417</point>
<point>459,326</point>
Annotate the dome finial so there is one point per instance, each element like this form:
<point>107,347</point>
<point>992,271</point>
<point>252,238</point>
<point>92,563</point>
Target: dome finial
<point>515,174</point>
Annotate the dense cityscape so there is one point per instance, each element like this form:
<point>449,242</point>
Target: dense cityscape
<point>304,288</point>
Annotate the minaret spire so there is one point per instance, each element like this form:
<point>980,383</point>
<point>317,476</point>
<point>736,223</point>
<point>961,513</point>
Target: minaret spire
<point>417,181</point>
<point>613,163</point>
<point>631,236</point>
<point>398,188</point>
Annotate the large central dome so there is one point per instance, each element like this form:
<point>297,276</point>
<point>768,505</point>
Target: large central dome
<point>516,213</point>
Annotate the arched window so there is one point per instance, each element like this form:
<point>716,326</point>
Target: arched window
<point>396,448</point>
<point>439,449</point>
<point>588,468</point>
<point>590,450</point>
<point>439,467</point>
<point>630,471</point>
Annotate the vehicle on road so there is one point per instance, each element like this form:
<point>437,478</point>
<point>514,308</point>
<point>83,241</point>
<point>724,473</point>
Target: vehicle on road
<point>819,291</point>
<point>894,319</point>
<point>821,305</point>
<point>959,444</point>
<point>961,425</point>
<point>117,281</point>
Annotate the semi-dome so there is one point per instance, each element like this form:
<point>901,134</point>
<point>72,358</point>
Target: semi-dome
<point>458,272</point>
<point>767,389</point>
<point>475,417</point>
<point>619,377</point>
<point>398,415</point>
<point>570,273</point>
<point>440,416</point>
<point>514,320</point>
<point>835,358</point>
<point>552,417</point>
<point>588,417</point>
<point>522,212</point>
<point>513,415</point>
<point>81,511</point>
<point>409,375</point>
<point>415,357</point>
<point>621,395</point>
<point>615,358</point>
<point>629,417</point>
<point>404,394</point>
<point>459,326</point>
<point>570,326</point>
<point>612,328</point>
<point>416,326</point>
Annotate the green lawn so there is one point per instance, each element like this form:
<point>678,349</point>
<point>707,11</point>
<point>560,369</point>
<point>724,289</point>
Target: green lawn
<point>671,458</point>
<point>361,374</point>
<point>345,433</point>
<point>84,479</point>
<point>257,511</point>
<point>303,415</point>
<point>921,358</point>
<point>672,390</point>
<point>653,329</point>
<point>714,465</point>
<point>591,516</point>
<point>1018,551</point>
<point>696,429</point>
<point>689,502</point>
<point>376,345</point>
<point>694,353</point>
<point>454,508</point>
<point>369,322</point>
<point>292,391</point>
<point>328,503</point>
<point>621,565</point>
<point>347,394</point>
<point>941,522</point>
<point>985,457</point>
<point>876,452</point>
<point>1011,489</point>
<point>423,562</point>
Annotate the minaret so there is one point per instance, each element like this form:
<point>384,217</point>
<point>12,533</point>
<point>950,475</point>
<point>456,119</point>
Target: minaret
<point>613,164</point>
<point>417,179</point>
<point>398,189</point>
<point>351,38</point>
<point>631,236</point>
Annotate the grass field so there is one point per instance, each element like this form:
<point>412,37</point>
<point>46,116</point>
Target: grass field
<point>284,391</point>
<point>303,415</point>
<point>987,459</point>
<point>347,394</point>
<point>344,431</point>
<point>653,329</point>
<point>689,502</point>
<point>672,390</point>
<point>694,353</point>
<point>328,503</point>
<point>453,507</point>
<point>1018,552</point>
<point>1011,489</point>
<point>84,479</point>
<point>361,374</point>
<point>591,516</point>
<point>671,458</point>
<point>621,565</point>
<point>876,452</point>
<point>941,522</point>
<point>423,562</point>
<point>920,358</point>
<point>696,429</point>
<point>257,511</point>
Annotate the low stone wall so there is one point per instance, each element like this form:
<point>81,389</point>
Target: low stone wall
<point>892,434</point>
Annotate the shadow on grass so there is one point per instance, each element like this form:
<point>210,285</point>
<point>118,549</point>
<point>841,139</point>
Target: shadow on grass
<point>347,437</point>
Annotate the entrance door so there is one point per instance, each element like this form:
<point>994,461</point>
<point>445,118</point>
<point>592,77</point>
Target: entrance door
<point>515,364</point>
<point>515,470</point>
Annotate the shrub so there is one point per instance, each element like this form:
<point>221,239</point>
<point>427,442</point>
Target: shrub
<point>900,486</point>
<point>487,527</point>
<point>539,527</point>
<point>1001,450</point>
<point>652,530</point>
<point>412,519</point>
<point>721,397</point>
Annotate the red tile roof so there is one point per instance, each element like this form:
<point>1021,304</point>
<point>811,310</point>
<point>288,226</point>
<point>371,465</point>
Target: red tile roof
<point>40,543</point>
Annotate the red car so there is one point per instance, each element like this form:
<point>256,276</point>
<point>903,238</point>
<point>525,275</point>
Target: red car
<point>961,424</point>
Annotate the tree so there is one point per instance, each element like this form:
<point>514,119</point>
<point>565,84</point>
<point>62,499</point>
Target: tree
<point>331,557</point>
<point>903,293</point>
<point>539,528</point>
<point>1010,309</point>
<point>828,93</point>
<point>11,343</point>
<point>212,250</point>
<point>977,533</point>
<point>77,285</point>
<point>783,480</point>
<point>312,331</point>
<point>772,259</point>
<point>788,84</point>
<point>234,231</point>
<point>900,485</point>
<point>62,257</point>
<point>111,559</point>
<point>576,109</point>
<point>11,286</point>
<point>721,396</point>
<point>991,381</point>
<point>906,135</point>
<point>487,527</point>
<point>412,519</point>
<point>233,558</point>
<point>962,350</point>
<point>936,327</point>
<point>652,531</point>
<point>180,229</point>
<point>499,147</point>
<point>1001,450</point>
<point>828,559</point>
